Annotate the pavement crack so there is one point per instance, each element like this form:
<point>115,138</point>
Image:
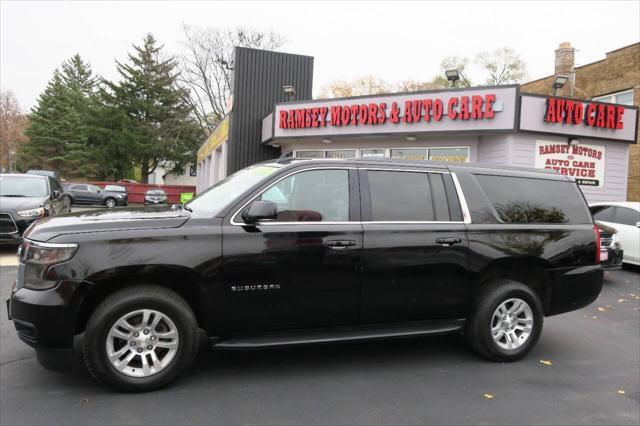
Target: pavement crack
<point>16,360</point>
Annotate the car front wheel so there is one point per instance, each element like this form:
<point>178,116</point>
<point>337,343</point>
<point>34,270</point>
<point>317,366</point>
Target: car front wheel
<point>110,203</point>
<point>140,338</point>
<point>506,321</point>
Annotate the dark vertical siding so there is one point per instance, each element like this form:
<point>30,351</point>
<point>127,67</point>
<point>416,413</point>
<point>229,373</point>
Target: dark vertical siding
<point>258,77</point>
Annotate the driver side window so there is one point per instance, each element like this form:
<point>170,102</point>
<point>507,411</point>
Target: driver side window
<point>311,196</point>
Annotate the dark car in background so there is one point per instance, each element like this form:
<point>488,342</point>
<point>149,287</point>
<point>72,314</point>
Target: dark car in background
<point>611,251</point>
<point>118,189</point>
<point>25,198</point>
<point>293,252</point>
<point>87,194</point>
<point>155,196</point>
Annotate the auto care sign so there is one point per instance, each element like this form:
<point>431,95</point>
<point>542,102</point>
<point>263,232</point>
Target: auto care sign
<point>581,161</point>
<point>469,110</point>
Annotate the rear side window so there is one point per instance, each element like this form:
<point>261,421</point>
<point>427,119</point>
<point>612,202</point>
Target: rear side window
<point>603,213</point>
<point>626,216</point>
<point>407,196</point>
<point>528,200</point>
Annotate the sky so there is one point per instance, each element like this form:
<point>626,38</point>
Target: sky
<point>391,40</point>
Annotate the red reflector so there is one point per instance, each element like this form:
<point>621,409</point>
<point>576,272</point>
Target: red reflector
<point>596,231</point>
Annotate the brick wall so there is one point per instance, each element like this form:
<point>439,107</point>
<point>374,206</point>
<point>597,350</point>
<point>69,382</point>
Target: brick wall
<point>619,71</point>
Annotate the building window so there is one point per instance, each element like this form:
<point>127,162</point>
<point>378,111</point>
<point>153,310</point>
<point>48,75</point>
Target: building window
<point>310,154</point>
<point>456,155</point>
<point>340,153</point>
<point>409,153</point>
<point>373,153</point>
<point>624,98</point>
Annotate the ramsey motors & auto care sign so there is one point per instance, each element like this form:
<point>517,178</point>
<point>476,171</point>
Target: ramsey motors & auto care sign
<point>450,111</point>
<point>582,161</point>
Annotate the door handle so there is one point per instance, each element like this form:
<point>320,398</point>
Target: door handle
<point>449,241</point>
<point>339,244</point>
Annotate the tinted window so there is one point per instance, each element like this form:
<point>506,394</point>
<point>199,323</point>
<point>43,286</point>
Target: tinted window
<point>440,204</point>
<point>627,216</point>
<point>79,188</point>
<point>604,213</point>
<point>313,196</point>
<point>400,196</point>
<point>526,200</point>
<point>55,185</point>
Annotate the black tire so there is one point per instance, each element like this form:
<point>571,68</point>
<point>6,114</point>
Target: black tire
<point>110,201</point>
<point>478,325</point>
<point>128,300</point>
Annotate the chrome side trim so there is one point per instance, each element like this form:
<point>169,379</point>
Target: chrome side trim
<point>466,216</point>
<point>233,218</point>
<point>377,169</point>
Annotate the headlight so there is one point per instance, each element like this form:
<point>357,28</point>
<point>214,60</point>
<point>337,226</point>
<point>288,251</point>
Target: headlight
<point>39,258</point>
<point>39,212</point>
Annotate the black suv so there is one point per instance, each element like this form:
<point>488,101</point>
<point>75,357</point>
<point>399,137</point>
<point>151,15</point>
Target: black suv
<point>24,198</point>
<point>291,252</point>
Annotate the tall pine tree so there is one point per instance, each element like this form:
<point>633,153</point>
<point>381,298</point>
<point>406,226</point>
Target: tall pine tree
<point>58,129</point>
<point>158,124</point>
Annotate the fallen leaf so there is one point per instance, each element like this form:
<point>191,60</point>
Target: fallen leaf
<point>622,300</point>
<point>600,309</point>
<point>632,295</point>
<point>489,396</point>
<point>545,362</point>
<point>607,306</point>
<point>594,317</point>
<point>620,391</point>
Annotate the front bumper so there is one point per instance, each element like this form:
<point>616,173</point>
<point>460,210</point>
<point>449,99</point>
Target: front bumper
<point>46,319</point>
<point>614,256</point>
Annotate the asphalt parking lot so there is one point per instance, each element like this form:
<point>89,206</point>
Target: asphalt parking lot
<point>590,375</point>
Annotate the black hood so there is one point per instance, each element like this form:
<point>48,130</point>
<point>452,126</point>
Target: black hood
<point>107,220</point>
<point>17,204</point>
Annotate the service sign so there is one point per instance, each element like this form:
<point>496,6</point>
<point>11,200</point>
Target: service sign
<point>449,111</point>
<point>581,161</point>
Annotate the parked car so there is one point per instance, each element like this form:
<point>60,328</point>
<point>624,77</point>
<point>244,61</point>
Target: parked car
<point>155,196</point>
<point>611,251</point>
<point>87,194</point>
<point>49,173</point>
<point>119,189</point>
<point>625,217</point>
<point>292,251</point>
<point>25,198</point>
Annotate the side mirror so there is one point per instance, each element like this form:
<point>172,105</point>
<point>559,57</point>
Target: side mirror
<point>56,193</point>
<point>260,210</point>
<point>637,224</point>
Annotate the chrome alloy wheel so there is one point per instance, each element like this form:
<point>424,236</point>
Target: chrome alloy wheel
<point>111,203</point>
<point>142,343</point>
<point>511,324</point>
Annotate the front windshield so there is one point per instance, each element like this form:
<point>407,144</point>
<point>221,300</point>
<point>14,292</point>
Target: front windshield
<point>216,198</point>
<point>22,187</point>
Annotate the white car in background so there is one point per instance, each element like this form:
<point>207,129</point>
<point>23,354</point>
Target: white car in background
<point>625,217</point>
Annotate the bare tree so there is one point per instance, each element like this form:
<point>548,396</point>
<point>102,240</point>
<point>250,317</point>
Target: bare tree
<point>459,63</point>
<point>360,86</point>
<point>503,65</point>
<point>12,125</point>
<point>206,67</point>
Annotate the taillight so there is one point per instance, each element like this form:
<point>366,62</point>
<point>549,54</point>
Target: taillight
<point>596,231</point>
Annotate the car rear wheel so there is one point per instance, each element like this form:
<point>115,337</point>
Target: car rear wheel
<point>506,321</point>
<point>140,338</point>
<point>110,203</point>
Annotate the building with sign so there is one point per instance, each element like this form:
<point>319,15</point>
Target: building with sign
<point>588,140</point>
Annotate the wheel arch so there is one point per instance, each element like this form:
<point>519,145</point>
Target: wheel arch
<point>184,281</point>
<point>531,271</point>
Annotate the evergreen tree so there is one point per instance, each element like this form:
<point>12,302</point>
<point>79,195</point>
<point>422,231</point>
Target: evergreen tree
<point>58,130</point>
<point>158,125</point>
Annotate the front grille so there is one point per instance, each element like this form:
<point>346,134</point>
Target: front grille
<point>606,242</point>
<point>7,224</point>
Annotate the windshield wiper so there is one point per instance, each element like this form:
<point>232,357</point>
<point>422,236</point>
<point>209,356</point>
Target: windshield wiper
<point>12,195</point>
